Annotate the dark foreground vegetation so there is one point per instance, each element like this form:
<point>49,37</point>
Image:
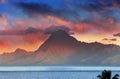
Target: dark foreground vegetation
<point>107,74</point>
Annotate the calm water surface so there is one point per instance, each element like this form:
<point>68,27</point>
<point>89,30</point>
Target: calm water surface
<point>51,75</point>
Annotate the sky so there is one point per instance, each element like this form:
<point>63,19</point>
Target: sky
<point>24,23</point>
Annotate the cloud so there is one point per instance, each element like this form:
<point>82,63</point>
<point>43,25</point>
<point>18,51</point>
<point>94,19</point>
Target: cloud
<point>3,20</point>
<point>105,39</point>
<point>113,39</point>
<point>117,35</point>
<point>3,1</point>
<point>27,31</point>
<point>31,30</point>
<point>9,43</point>
<point>35,38</point>
<point>3,44</point>
<point>0,15</point>
<point>93,15</point>
<point>111,3</point>
<point>34,8</point>
<point>80,16</point>
<point>28,39</point>
<point>53,29</point>
<point>91,6</point>
<point>30,35</point>
<point>101,16</point>
<point>33,35</point>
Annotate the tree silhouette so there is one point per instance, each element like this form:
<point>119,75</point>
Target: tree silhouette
<point>107,75</point>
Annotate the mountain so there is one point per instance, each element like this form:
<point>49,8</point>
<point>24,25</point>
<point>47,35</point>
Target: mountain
<point>60,43</point>
<point>59,47</point>
<point>14,58</point>
<point>62,49</point>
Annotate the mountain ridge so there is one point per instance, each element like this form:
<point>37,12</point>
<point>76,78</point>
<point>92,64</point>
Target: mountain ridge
<point>62,49</point>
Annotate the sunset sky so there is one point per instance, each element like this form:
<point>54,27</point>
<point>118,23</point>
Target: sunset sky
<point>23,23</point>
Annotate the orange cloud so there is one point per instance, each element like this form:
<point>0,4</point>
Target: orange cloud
<point>9,43</point>
<point>34,38</point>
<point>29,42</point>
<point>111,21</point>
<point>85,28</point>
<point>3,45</point>
<point>79,27</point>
<point>3,22</point>
<point>44,22</point>
<point>41,22</point>
<point>60,21</point>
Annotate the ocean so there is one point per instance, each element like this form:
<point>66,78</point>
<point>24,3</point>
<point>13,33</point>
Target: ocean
<point>51,75</point>
<point>54,72</point>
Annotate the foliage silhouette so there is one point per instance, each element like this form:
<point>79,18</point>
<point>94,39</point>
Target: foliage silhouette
<point>107,75</point>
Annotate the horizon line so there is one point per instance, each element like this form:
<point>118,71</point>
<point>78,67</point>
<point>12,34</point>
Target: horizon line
<point>58,68</point>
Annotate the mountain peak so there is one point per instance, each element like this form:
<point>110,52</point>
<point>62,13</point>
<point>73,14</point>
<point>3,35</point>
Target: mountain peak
<point>20,50</point>
<point>59,34</point>
<point>60,37</point>
<point>59,41</point>
<point>60,31</point>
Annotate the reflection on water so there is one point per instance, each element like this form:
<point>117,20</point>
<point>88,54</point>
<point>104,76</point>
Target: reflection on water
<point>50,75</point>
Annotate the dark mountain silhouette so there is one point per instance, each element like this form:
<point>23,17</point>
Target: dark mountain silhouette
<point>63,49</point>
<point>59,41</point>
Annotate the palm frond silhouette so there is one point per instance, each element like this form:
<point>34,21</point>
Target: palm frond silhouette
<point>107,75</point>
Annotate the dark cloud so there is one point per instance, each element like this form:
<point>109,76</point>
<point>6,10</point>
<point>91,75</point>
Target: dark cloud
<point>65,12</point>
<point>110,3</point>
<point>53,29</point>
<point>27,31</point>
<point>93,12</point>
<point>33,8</point>
<point>30,35</point>
<point>31,30</point>
<point>91,6</point>
<point>117,35</point>
<point>3,1</point>
<point>105,39</point>
<point>1,16</point>
<point>113,39</point>
<point>104,3</point>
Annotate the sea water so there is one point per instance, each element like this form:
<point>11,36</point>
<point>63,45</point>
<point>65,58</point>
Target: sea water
<point>51,75</point>
<point>54,72</point>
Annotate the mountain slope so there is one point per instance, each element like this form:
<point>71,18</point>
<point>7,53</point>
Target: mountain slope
<point>63,49</point>
<point>58,48</point>
<point>14,58</point>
